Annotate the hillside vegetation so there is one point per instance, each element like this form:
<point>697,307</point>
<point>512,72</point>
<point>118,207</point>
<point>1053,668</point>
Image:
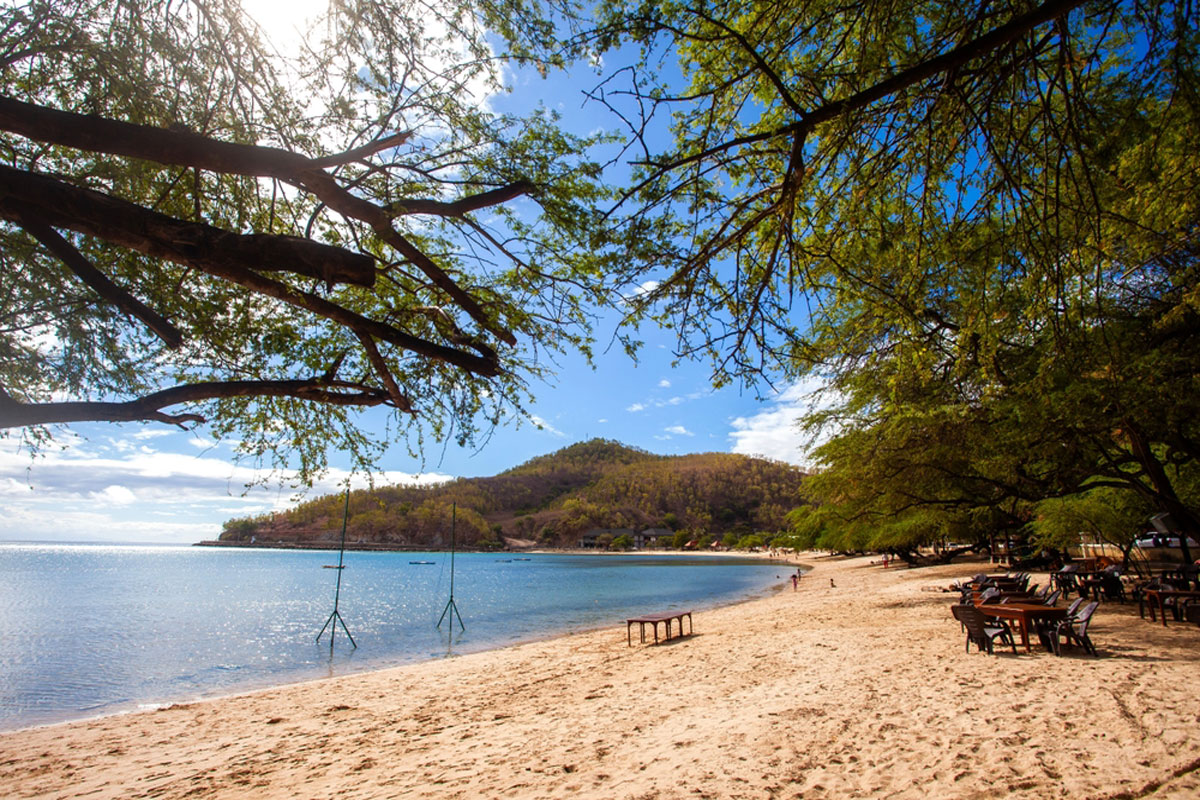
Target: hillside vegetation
<point>550,501</point>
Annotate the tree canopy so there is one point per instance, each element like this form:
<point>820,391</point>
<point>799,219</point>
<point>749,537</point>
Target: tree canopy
<point>977,221</point>
<point>195,225</point>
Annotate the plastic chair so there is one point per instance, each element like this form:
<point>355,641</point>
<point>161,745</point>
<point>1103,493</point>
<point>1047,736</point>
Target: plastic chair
<point>981,630</point>
<point>1075,630</point>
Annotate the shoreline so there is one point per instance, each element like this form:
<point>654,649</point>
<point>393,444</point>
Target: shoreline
<point>861,689</point>
<point>151,707</point>
<point>386,662</point>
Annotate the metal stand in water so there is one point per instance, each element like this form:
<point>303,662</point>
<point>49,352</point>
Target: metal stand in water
<point>451,608</point>
<point>336,616</point>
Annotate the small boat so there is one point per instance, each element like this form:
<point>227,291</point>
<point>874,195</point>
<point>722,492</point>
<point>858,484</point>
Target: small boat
<point>421,562</point>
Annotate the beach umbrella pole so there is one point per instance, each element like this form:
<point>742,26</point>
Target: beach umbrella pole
<point>336,617</point>
<point>451,608</point>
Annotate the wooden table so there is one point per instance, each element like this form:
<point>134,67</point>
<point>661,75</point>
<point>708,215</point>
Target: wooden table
<point>1012,597</point>
<point>1157,596</point>
<point>997,582</point>
<point>667,617</point>
<point>1023,613</point>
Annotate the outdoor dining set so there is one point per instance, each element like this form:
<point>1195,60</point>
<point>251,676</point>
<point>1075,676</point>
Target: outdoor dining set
<point>992,606</point>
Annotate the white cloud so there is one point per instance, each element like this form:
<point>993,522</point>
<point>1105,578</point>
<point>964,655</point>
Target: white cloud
<point>774,432</point>
<point>679,430</point>
<point>675,400</point>
<point>546,426</point>
<point>107,494</point>
<point>664,384</point>
<point>152,433</point>
<point>642,289</point>
<point>114,496</point>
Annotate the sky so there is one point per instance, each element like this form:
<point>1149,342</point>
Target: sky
<point>156,484</point>
<point>150,483</point>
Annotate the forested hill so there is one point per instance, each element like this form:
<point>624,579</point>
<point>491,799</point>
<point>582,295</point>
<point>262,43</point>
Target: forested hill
<point>550,501</point>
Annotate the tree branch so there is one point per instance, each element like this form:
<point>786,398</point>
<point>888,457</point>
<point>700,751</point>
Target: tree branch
<point>100,283</point>
<point>359,153</point>
<point>26,197</point>
<point>457,208</point>
<point>98,134</point>
<point>399,400</point>
<point>14,413</point>
<point>1011,30</point>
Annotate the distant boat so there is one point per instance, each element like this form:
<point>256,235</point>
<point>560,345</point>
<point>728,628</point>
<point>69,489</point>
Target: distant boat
<point>421,562</point>
<point>522,559</point>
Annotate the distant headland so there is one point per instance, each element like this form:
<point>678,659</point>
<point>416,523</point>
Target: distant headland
<point>598,494</point>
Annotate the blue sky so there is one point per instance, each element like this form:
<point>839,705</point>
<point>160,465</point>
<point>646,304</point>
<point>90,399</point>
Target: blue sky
<point>153,483</point>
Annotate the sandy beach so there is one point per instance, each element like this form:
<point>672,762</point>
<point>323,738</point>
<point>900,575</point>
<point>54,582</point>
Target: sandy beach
<point>859,690</point>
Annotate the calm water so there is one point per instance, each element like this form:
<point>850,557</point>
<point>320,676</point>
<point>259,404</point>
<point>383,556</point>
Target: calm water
<point>95,629</point>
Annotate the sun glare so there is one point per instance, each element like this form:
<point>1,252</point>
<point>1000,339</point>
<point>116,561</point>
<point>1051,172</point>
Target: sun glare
<point>284,22</point>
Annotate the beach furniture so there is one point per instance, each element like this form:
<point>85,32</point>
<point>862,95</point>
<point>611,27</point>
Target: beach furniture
<point>1067,579</point>
<point>978,629</point>
<point>1025,614</point>
<point>1103,584</point>
<point>1075,630</point>
<point>1164,596</point>
<point>654,620</point>
<point>990,595</point>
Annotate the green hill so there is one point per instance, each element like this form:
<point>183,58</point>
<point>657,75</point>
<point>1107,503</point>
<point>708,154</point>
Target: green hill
<point>549,501</point>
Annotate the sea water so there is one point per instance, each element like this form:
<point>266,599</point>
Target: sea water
<point>87,630</point>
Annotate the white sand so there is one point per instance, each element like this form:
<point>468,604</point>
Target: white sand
<point>858,691</point>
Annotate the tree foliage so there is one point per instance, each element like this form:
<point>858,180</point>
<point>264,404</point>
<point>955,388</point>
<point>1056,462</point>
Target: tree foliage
<point>1108,516</point>
<point>191,217</point>
<point>553,499</point>
<point>977,221</point>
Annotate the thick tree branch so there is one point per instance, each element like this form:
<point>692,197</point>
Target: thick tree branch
<point>359,153</point>
<point>98,134</point>
<point>184,148</point>
<point>399,400</point>
<point>37,199</point>
<point>100,283</point>
<point>27,197</point>
<point>14,413</point>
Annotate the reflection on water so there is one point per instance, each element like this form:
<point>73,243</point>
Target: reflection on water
<point>88,629</point>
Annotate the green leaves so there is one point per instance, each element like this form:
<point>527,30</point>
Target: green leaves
<point>466,305</point>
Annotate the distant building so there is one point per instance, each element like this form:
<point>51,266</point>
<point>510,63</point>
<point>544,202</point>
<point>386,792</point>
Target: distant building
<point>642,540</point>
<point>652,538</point>
<point>590,539</point>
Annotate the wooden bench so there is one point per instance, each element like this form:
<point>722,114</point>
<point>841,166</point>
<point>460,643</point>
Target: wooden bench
<point>667,617</point>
